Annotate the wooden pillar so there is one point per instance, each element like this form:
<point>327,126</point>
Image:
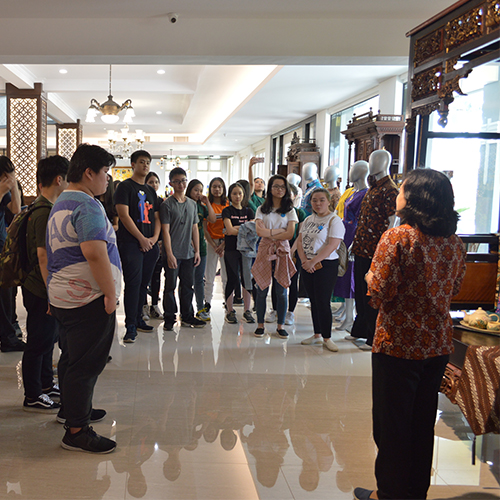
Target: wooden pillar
<point>68,138</point>
<point>26,132</point>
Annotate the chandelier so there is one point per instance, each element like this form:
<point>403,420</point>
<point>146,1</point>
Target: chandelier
<point>109,110</point>
<point>122,145</point>
<point>169,163</point>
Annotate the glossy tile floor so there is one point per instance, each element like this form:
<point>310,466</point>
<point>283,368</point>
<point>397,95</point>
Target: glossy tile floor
<point>216,413</point>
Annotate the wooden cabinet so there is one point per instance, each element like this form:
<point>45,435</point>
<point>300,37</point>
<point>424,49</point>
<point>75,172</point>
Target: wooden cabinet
<point>301,153</point>
<point>368,132</point>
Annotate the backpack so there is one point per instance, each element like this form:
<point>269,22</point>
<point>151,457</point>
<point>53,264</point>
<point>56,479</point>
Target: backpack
<point>14,263</point>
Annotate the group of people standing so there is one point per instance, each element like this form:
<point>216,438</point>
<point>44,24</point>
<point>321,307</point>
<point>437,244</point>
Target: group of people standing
<point>77,261</point>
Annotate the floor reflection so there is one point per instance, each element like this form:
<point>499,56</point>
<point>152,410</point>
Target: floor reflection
<point>218,413</point>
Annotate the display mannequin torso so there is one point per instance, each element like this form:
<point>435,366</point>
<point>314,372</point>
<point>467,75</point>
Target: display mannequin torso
<point>310,176</point>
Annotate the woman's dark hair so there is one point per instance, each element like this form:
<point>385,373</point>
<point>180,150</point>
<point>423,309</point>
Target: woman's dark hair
<point>152,174</point>
<point>88,156</point>
<point>429,203</point>
<point>244,201</point>
<point>6,165</point>
<point>192,184</point>
<point>246,187</point>
<point>107,200</point>
<point>286,201</point>
<point>223,198</point>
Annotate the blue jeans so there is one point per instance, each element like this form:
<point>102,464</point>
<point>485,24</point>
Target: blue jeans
<point>281,302</point>
<point>137,268</point>
<point>199,283</point>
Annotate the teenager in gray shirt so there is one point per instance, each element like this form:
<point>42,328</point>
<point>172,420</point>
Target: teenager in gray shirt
<point>181,251</point>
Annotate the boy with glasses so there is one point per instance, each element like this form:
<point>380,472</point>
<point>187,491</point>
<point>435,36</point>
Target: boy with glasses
<point>181,247</point>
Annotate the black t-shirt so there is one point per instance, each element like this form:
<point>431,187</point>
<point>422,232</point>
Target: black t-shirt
<point>237,218</point>
<point>142,204</point>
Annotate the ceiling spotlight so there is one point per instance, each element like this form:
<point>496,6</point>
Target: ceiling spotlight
<point>158,112</point>
<point>161,71</point>
<point>109,110</point>
<point>63,71</point>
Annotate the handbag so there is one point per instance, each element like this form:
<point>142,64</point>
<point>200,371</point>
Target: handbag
<point>343,254</point>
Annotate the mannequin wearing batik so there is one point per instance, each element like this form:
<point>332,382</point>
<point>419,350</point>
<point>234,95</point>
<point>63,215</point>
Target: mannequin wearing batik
<point>377,214</point>
<point>310,177</point>
<point>352,207</point>
<point>330,182</point>
<point>296,180</point>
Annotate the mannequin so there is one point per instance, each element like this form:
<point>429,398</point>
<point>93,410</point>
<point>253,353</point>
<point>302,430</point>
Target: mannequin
<point>310,177</point>
<point>296,180</point>
<point>345,285</point>
<point>377,213</point>
<point>330,182</point>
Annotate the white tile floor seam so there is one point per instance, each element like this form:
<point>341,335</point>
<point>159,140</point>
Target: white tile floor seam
<point>218,413</point>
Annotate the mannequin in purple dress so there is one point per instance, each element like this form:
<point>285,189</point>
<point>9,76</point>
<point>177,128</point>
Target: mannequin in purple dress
<point>345,285</point>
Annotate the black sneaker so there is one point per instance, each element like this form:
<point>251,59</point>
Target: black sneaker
<point>144,327</point>
<point>42,404</point>
<point>13,345</point>
<point>193,322</point>
<point>207,307</point>
<point>53,393</point>
<point>87,440</point>
<point>168,327</point>
<point>95,416</point>
<point>231,317</point>
<point>130,335</point>
<point>260,332</point>
<point>248,317</point>
<point>282,333</point>
<point>237,301</point>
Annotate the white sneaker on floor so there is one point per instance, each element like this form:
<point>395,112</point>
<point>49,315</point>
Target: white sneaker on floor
<point>145,313</point>
<point>364,346</point>
<point>271,316</point>
<point>350,337</point>
<point>331,345</point>
<point>155,313</point>
<point>313,341</point>
<point>289,318</point>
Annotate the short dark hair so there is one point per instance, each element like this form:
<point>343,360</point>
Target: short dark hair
<point>192,184</point>
<point>152,174</point>
<point>50,168</point>
<point>6,165</point>
<point>244,201</point>
<point>137,154</point>
<point>176,171</point>
<point>286,201</point>
<point>429,203</point>
<point>88,156</point>
<point>223,198</point>
<point>246,187</point>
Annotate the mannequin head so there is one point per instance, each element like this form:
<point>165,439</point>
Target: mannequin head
<point>358,170</point>
<point>331,176</point>
<point>379,163</point>
<point>294,179</point>
<point>310,172</point>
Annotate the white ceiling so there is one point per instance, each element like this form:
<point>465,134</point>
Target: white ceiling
<point>235,71</point>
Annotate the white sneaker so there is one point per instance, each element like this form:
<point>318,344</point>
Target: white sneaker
<point>331,345</point>
<point>271,316</point>
<point>364,347</point>
<point>350,337</point>
<point>313,341</point>
<point>145,313</point>
<point>155,313</point>
<point>289,318</point>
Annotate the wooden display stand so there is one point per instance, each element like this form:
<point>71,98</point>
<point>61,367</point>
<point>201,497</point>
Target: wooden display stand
<point>301,153</point>
<point>369,132</point>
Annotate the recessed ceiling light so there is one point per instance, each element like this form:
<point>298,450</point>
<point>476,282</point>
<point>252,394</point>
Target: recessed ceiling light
<point>161,71</point>
<point>158,112</point>
<point>63,71</point>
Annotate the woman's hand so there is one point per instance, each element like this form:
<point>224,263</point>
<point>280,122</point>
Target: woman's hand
<point>308,266</point>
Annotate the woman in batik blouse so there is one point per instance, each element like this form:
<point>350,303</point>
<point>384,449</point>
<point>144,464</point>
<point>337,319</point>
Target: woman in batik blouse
<point>416,270</point>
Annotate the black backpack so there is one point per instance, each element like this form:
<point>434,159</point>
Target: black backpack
<point>14,262</point>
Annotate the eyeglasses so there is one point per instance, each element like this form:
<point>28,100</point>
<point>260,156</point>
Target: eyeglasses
<point>279,187</point>
<point>179,181</point>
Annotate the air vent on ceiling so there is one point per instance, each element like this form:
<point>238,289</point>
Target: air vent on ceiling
<point>181,138</point>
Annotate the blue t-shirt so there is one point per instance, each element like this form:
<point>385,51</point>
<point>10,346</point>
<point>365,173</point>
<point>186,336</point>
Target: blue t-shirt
<point>77,217</point>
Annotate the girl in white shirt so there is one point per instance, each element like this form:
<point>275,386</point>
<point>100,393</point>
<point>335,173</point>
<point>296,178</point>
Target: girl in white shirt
<point>319,238</point>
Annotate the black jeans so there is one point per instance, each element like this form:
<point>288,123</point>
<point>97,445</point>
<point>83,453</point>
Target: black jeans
<point>85,337</point>
<point>185,273</point>
<point>235,274</point>
<point>405,399</point>
<point>366,317</point>
<point>319,286</point>
<point>137,268</point>
<point>155,282</point>
<point>7,331</point>
<point>37,356</point>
